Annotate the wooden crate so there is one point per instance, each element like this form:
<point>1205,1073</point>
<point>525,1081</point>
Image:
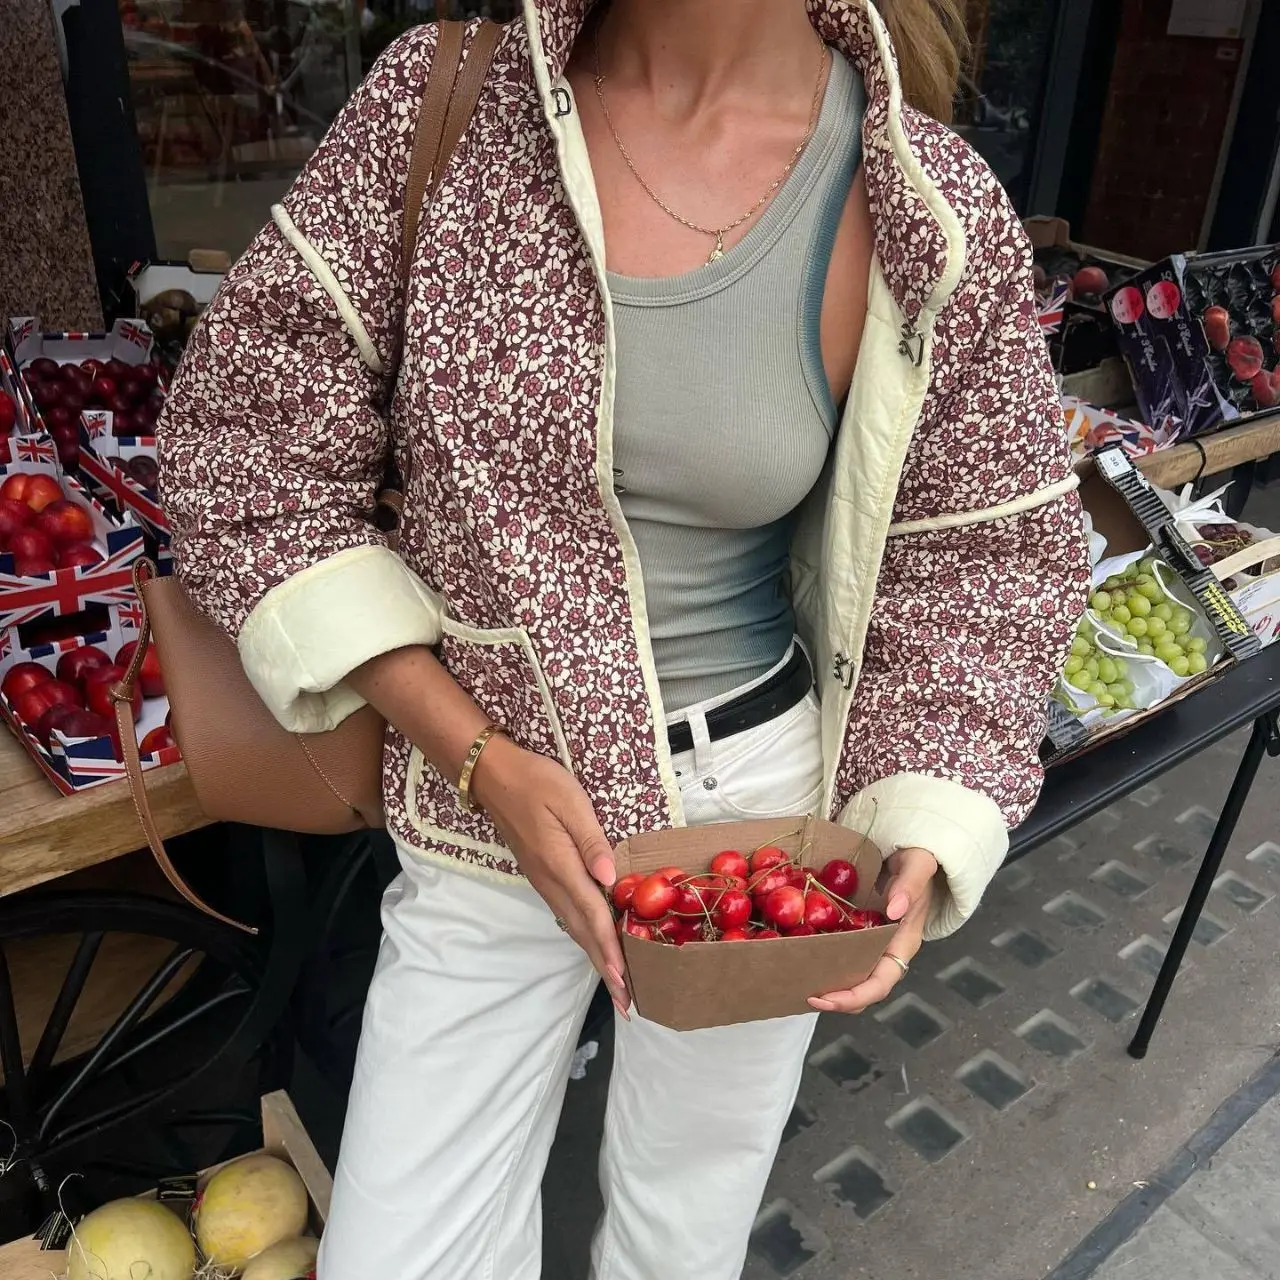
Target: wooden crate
<point>283,1135</point>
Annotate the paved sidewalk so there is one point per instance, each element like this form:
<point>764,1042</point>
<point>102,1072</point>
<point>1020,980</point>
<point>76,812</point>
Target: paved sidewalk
<point>1213,1211</point>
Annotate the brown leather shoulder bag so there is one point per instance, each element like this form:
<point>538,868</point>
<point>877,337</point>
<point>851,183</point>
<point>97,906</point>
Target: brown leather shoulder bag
<point>243,765</point>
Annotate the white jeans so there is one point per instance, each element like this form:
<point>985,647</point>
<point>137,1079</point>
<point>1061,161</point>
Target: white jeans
<point>470,1026</point>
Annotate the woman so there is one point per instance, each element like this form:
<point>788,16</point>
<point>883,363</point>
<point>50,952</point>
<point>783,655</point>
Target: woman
<point>711,339</point>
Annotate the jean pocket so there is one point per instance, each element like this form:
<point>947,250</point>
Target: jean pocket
<point>774,770</point>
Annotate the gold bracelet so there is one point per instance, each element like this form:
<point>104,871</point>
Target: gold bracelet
<point>469,764</point>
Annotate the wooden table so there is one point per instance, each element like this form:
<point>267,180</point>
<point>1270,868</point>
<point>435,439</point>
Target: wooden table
<point>1222,451</point>
<point>44,834</point>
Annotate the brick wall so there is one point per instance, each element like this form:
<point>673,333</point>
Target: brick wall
<point>1165,118</point>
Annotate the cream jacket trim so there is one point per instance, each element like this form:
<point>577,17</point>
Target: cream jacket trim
<point>450,863</point>
<point>963,829</point>
<point>984,515</point>
<point>308,634</point>
<point>329,283</point>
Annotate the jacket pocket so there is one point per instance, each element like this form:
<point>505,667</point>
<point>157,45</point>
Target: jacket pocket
<point>500,671</point>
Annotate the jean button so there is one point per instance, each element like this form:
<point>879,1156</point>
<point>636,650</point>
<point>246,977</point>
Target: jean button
<point>709,784</point>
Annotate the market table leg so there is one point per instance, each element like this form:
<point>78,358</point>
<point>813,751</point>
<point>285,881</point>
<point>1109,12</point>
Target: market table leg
<point>1264,739</point>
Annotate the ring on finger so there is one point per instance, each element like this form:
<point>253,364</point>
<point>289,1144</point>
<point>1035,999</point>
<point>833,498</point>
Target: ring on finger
<point>899,961</point>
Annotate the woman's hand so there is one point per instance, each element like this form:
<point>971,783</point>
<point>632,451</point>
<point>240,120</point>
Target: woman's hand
<point>547,821</point>
<point>909,897</point>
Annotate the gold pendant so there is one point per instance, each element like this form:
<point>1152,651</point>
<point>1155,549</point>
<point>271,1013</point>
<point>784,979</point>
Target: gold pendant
<point>718,251</point>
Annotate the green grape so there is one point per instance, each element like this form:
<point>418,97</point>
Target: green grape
<point>1108,672</point>
<point>1163,611</point>
<point>1081,647</point>
<point>1196,663</point>
<point>1113,583</point>
<point>1155,626</point>
<point>1130,570</point>
<point>1180,665</point>
<point>1168,649</point>
<point>1074,663</point>
<point>1100,600</point>
<point>1104,699</point>
<point>1195,644</point>
<point>1147,565</point>
<point>1126,687</point>
<point>1081,680</point>
<point>1151,589</point>
<point>1125,703</point>
<point>1120,613</point>
<point>1146,648</point>
<point>1180,623</point>
<point>1139,605</point>
<point>1091,666</point>
<point>1116,688</point>
<point>1137,627</point>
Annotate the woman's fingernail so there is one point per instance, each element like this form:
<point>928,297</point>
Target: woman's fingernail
<point>616,980</point>
<point>622,1009</point>
<point>898,905</point>
<point>823,1006</point>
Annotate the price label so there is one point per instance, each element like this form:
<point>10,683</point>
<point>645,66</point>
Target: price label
<point>1112,463</point>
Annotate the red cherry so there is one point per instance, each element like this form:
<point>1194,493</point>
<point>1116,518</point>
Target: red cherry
<point>669,929</point>
<point>622,889</point>
<point>43,367</point>
<point>79,555</point>
<point>765,933</point>
<point>800,931</point>
<point>103,390</point>
<point>767,881</point>
<point>147,373</point>
<point>59,415</point>
<point>840,877</point>
<point>797,877</point>
<point>653,897</point>
<point>821,912</point>
<point>23,676</point>
<point>677,875</point>
<point>117,369</point>
<point>864,919</point>
<point>150,680</point>
<point>635,929</point>
<point>784,907</point>
<point>730,863</point>
<point>49,395</point>
<point>769,856</point>
<point>157,740</point>
<point>688,901</point>
<point>734,935</point>
<point>79,378</point>
<point>72,666</point>
<point>92,367</point>
<point>733,910</point>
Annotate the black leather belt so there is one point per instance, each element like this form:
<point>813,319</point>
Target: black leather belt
<point>758,706</point>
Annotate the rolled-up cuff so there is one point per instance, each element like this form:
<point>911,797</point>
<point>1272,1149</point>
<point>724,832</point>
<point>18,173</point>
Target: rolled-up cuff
<point>963,829</point>
<point>308,634</point>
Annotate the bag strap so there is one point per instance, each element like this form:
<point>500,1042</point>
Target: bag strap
<point>122,695</point>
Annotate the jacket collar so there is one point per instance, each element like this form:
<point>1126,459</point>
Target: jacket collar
<point>919,240</point>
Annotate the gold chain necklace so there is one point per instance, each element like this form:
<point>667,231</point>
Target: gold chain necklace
<point>718,232</point>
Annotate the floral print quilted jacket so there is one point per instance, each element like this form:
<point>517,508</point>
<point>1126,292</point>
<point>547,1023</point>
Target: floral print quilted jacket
<point>937,570</point>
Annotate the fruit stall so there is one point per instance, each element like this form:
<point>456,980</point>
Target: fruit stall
<point>123,1006</point>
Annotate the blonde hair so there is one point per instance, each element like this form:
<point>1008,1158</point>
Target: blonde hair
<point>932,43</point>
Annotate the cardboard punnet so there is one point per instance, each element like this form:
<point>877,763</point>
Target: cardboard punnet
<point>714,984</point>
<point>283,1135</point>
<point>100,453</point>
<point>1126,510</point>
<point>67,591</point>
<point>75,764</point>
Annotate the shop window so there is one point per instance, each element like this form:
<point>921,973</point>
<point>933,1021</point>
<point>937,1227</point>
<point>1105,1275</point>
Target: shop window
<point>232,96</point>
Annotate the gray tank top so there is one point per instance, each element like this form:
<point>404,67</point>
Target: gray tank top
<point>723,419</point>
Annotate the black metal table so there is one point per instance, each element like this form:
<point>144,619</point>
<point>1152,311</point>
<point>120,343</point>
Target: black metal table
<point>1249,694</point>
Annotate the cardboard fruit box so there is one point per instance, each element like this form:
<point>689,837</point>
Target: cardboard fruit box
<point>75,764</point>
<point>105,460</point>
<point>1128,512</point>
<point>71,590</point>
<point>714,984</point>
<point>1199,335</point>
<point>43,1256</point>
